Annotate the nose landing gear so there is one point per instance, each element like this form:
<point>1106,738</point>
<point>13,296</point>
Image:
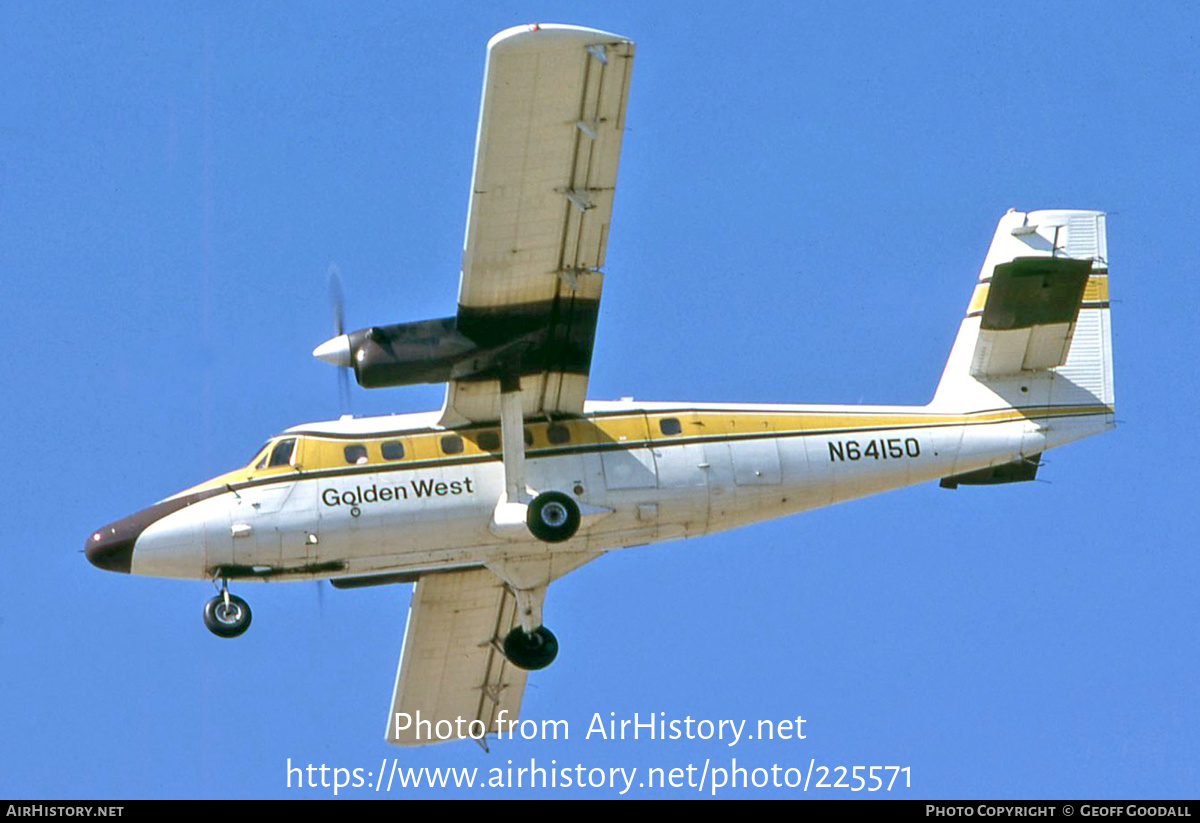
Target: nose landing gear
<point>227,615</point>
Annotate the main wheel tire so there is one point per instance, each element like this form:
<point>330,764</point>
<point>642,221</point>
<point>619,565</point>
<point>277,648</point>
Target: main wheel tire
<point>227,620</point>
<point>553,517</point>
<point>531,651</point>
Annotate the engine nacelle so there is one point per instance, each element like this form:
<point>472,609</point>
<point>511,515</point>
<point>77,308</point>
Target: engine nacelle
<point>478,344</point>
<point>407,353</point>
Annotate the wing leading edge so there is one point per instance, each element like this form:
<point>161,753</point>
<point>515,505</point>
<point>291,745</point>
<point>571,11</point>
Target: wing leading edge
<point>546,158</point>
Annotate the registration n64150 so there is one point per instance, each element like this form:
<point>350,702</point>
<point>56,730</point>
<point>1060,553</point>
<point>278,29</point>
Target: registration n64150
<point>891,448</point>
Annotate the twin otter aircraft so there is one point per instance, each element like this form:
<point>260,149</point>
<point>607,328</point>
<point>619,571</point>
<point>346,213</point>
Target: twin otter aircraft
<point>518,480</point>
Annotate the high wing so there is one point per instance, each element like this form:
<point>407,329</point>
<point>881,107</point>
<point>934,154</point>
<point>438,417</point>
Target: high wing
<point>452,666</point>
<point>546,155</point>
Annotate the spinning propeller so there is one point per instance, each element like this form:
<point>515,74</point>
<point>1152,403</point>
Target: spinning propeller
<point>336,350</point>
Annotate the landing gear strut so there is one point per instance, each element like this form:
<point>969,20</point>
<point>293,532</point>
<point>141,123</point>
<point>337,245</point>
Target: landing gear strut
<point>531,651</point>
<point>528,645</point>
<point>227,615</point>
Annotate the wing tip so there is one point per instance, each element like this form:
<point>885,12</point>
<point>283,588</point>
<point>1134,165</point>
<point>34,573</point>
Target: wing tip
<point>541,35</point>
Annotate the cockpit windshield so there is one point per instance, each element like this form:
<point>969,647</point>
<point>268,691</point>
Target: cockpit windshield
<point>275,454</point>
<point>259,456</point>
<point>281,455</point>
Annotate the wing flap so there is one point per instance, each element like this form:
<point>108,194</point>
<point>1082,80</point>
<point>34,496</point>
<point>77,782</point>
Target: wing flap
<point>451,666</point>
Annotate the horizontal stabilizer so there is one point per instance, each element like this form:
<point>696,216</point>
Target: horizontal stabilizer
<point>1017,471</point>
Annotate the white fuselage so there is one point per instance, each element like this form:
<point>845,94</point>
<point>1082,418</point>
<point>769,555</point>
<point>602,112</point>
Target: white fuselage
<point>437,513</point>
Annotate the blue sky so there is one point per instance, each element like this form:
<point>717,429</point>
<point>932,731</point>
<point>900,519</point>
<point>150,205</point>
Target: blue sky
<point>805,196</point>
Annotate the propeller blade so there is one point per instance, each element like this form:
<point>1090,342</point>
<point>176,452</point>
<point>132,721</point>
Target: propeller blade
<point>336,350</point>
<point>337,300</point>
<point>344,390</point>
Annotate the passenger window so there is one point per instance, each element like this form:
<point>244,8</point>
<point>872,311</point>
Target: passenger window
<point>488,441</point>
<point>558,434</point>
<point>281,455</point>
<point>669,425</point>
<point>452,444</point>
<point>393,450</point>
<point>356,454</point>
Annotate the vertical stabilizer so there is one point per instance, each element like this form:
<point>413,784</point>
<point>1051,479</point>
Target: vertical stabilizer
<point>1036,332</point>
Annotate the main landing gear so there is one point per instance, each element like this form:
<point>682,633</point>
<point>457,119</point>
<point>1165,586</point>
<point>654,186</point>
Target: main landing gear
<point>529,645</point>
<point>531,651</point>
<point>552,517</point>
<point>227,615</point>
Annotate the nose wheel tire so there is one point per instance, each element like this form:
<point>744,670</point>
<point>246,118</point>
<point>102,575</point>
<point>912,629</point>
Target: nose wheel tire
<point>531,651</point>
<point>553,517</point>
<point>227,619</point>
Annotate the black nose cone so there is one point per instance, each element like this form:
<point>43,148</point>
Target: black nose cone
<point>111,548</point>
